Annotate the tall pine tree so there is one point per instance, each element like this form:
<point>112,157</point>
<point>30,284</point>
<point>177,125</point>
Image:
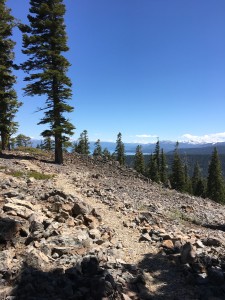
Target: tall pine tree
<point>120,150</point>
<point>153,173</point>
<point>187,180</point>
<point>139,163</point>
<point>98,149</point>
<point>215,180</point>
<point>48,144</point>
<point>178,174</point>
<point>163,168</point>
<point>157,155</point>
<point>82,146</point>
<point>106,154</point>
<point>44,41</point>
<point>198,186</point>
<point>8,99</point>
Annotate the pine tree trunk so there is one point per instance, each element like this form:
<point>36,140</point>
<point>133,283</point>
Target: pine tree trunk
<point>58,150</point>
<point>4,140</point>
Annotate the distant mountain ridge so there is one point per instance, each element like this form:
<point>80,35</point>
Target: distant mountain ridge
<point>205,149</point>
<point>167,146</point>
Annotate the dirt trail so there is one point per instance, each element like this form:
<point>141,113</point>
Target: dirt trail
<point>161,275</point>
<point>128,237</point>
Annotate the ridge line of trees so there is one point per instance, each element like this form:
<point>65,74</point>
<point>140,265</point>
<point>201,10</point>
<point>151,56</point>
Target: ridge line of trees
<point>157,170</point>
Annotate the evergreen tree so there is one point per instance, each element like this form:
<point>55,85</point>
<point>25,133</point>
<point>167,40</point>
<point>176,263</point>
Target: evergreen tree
<point>120,150</point>
<point>177,176</point>
<point>98,149</point>
<point>157,165</point>
<point>23,140</point>
<point>106,153</point>
<point>153,173</point>
<point>12,143</point>
<point>48,144</point>
<point>139,164</point>
<point>163,168</point>
<point>41,145</point>
<point>67,144</point>
<point>188,185</point>
<point>215,180</point>
<point>82,145</point>
<point>198,186</point>
<point>157,155</point>
<point>201,188</point>
<point>8,99</point>
<point>44,41</point>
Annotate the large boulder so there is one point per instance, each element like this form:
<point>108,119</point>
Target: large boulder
<point>81,208</point>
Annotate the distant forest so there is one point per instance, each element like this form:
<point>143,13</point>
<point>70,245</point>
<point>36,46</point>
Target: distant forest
<point>189,159</point>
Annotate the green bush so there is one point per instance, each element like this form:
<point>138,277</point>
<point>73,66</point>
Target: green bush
<point>39,176</point>
<point>34,174</point>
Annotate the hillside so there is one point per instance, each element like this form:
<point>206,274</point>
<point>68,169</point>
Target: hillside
<point>96,230</point>
<point>206,149</point>
<point>190,159</point>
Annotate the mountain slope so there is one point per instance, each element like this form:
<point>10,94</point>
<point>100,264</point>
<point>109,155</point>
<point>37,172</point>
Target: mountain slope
<point>206,150</point>
<point>99,230</point>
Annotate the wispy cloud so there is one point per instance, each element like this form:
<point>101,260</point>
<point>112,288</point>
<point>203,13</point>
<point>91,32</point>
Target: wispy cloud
<point>207,138</point>
<point>143,136</point>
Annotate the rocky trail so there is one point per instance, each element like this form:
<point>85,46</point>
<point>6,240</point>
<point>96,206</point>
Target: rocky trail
<point>91,229</point>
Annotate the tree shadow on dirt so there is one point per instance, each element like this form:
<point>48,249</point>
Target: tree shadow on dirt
<point>15,156</point>
<point>215,226</point>
<point>164,277</point>
<point>27,157</point>
<point>156,277</point>
<point>83,281</point>
<point>160,277</point>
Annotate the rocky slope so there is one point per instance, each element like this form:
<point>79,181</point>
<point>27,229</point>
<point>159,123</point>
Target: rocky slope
<point>96,230</point>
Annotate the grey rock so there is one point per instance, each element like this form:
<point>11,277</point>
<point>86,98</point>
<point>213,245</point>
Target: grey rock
<point>211,242</point>
<point>6,259</point>
<point>81,208</point>
<point>36,258</point>
<point>145,237</point>
<point>9,229</point>
<point>188,254</point>
<point>11,194</point>
<point>95,233</point>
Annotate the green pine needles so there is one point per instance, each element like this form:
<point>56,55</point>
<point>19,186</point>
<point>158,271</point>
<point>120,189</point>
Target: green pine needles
<point>120,150</point>
<point>139,163</point>
<point>44,41</point>
<point>8,98</point>
<point>215,182</point>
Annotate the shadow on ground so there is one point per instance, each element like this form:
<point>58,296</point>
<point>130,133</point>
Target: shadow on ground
<point>15,155</point>
<point>84,281</point>
<point>155,278</point>
<point>165,278</point>
<point>8,230</point>
<point>215,227</point>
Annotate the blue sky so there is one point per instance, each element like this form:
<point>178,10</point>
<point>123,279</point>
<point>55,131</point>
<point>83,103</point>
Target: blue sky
<point>147,68</point>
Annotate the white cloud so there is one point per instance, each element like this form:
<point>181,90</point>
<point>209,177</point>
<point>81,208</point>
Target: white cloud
<point>207,138</point>
<point>143,136</point>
